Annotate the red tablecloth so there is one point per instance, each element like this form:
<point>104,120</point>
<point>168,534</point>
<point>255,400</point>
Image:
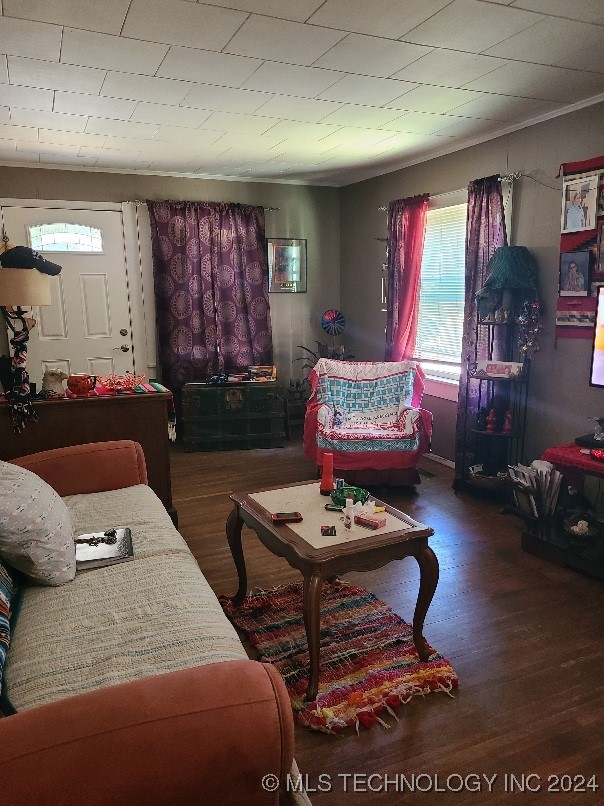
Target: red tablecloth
<point>573,464</point>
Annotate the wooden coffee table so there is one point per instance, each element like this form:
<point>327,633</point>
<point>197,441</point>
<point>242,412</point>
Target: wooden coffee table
<point>319,558</point>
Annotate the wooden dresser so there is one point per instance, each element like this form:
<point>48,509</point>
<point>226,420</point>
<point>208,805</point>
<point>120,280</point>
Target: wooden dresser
<point>142,418</point>
<point>247,415</point>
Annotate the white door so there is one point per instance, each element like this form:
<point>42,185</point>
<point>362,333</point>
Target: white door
<point>87,328</point>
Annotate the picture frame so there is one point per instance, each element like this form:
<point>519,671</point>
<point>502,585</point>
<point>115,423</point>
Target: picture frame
<point>286,265</point>
<point>600,210</point>
<point>579,203</point>
<point>599,268</point>
<point>574,274</point>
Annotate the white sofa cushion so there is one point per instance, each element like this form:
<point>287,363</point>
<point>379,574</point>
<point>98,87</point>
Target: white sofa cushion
<point>152,615</point>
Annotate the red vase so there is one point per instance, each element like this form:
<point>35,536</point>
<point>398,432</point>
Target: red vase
<point>327,475</point>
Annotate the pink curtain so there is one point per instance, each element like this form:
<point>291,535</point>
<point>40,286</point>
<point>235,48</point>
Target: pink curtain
<point>406,230</point>
<point>211,288</point>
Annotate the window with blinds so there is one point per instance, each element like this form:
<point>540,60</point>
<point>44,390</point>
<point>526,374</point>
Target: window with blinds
<point>442,291</point>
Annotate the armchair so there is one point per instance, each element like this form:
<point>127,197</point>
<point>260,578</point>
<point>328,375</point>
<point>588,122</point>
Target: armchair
<point>368,415</point>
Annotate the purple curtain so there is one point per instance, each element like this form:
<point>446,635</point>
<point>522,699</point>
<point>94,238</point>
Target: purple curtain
<point>211,289</point>
<point>406,231</point>
<point>485,232</point>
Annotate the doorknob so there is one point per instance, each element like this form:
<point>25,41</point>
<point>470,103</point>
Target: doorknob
<point>123,347</point>
<point>123,332</point>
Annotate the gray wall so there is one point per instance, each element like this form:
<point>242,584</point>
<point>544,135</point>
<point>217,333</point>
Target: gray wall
<point>561,400</point>
<point>305,212</point>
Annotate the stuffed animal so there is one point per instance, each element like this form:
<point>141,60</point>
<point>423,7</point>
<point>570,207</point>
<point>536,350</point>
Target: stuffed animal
<point>52,383</point>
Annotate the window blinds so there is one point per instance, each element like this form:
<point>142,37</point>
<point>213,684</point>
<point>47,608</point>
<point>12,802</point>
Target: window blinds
<point>442,286</point>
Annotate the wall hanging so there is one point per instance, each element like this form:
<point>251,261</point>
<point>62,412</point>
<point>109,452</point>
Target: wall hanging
<point>581,267</point>
<point>287,265</point>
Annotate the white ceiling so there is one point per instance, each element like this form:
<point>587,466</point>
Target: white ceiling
<point>320,91</point>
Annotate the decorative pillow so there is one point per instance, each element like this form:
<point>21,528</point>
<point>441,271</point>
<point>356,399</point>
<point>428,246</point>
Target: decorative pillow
<point>36,534</point>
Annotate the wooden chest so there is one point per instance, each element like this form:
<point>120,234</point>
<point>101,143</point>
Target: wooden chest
<point>247,415</point>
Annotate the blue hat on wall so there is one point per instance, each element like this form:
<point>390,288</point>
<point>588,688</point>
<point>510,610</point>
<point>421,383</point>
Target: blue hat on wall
<point>22,257</point>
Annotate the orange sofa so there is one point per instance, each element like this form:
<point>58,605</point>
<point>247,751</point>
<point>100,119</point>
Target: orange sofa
<point>192,720</point>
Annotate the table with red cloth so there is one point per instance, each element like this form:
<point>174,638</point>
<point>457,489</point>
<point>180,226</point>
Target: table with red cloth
<point>573,464</point>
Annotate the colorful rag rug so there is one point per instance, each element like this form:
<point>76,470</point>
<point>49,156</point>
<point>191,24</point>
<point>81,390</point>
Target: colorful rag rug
<point>369,664</point>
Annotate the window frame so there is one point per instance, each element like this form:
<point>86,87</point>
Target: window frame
<point>45,248</point>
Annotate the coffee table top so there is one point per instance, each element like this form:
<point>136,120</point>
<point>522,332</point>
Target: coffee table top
<point>306,536</point>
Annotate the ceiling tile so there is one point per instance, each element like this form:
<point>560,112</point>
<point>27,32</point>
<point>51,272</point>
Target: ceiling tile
<point>71,138</point>
<point>470,127</point>
<point>23,133</point>
<point>539,81</point>
<point>306,132</point>
<point>191,64</point>
<point>254,143</point>
<point>169,115</point>
<point>585,10</point>
<point>61,159</point>
<point>225,99</point>
<point>471,26</point>
<point>182,23</point>
<point>4,115</point>
<point>418,123</point>
<point>145,88</point>
<point>24,38</point>
<point>243,124</point>
<point>361,116</point>
<point>356,138</point>
<point>3,70</point>
<point>564,43</point>
<point>370,56</point>
<point>20,156</point>
<point>296,10</point>
<point>448,68</point>
<point>389,18</point>
<point>366,90</point>
<point>305,110</point>
<point>280,40</point>
<point>433,99</point>
<point>288,79</point>
<point>120,128</point>
<point>111,52</point>
<point>25,97</point>
<point>90,14</point>
<point>49,148</point>
<point>177,134</point>
<point>73,103</point>
<point>53,76</point>
<point>505,107</point>
<point>48,120</point>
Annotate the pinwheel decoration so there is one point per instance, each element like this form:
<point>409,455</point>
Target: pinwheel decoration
<point>333,322</point>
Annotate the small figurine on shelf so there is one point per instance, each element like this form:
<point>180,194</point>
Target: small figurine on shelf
<point>507,423</point>
<point>481,419</point>
<point>491,422</point>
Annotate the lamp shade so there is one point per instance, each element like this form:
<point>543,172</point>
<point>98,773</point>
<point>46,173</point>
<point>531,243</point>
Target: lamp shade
<point>510,268</point>
<point>24,288</point>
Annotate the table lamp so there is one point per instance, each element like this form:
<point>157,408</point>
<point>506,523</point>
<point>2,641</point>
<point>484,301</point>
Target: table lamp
<point>24,282</point>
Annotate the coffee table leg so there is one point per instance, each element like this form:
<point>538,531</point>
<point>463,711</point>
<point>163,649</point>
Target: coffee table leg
<point>428,570</point>
<point>311,605</point>
<point>234,525</point>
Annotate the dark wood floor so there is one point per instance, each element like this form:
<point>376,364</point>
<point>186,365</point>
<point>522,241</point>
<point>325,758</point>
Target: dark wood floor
<point>524,636</point>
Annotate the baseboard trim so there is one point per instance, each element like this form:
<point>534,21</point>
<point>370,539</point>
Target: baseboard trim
<point>434,457</point>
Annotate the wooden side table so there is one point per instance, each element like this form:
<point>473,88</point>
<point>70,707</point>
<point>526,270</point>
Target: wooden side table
<point>76,421</point>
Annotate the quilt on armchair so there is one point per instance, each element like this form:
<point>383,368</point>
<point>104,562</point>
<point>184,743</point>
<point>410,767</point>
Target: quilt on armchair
<point>367,414</point>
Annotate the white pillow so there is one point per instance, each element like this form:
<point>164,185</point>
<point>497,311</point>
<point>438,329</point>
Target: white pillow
<point>36,534</point>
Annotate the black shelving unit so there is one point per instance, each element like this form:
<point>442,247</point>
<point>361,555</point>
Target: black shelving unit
<point>494,450</point>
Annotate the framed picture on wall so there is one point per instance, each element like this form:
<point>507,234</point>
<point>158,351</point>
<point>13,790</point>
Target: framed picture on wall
<point>574,274</point>
<point>600,251</point>
<point>579,203</point>
<point>286,265</point>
